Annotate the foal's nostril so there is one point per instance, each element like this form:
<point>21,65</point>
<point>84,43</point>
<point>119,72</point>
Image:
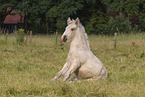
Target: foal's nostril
<point>64,38</point>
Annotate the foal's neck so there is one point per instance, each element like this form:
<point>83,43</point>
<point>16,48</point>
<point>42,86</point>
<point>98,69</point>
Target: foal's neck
<point>79,41</point>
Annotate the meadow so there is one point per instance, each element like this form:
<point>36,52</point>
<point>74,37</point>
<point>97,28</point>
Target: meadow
<point>26,69</point>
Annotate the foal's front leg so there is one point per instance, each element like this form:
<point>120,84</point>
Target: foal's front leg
<point>73,67</point>
<point>61,72</point>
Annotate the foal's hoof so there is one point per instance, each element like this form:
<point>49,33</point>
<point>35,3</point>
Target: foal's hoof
<point>51,81</point>
<point>70,81</point>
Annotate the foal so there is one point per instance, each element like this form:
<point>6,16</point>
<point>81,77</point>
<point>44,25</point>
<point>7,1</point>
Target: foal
<point>80,59</point>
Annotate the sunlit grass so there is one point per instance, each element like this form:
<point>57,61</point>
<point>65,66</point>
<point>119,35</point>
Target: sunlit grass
<point>25,69</point>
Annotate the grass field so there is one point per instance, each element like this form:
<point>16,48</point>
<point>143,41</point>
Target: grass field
<point>25,69</point>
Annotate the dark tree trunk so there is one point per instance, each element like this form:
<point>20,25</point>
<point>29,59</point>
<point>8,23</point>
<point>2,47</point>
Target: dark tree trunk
<point>47,26</point>
<point>25,23</point>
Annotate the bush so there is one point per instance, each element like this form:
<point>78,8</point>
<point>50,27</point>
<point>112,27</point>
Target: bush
<point>117,24</point>
<point>20,36</point>
<point>96,22</point>
<point>142,21</point>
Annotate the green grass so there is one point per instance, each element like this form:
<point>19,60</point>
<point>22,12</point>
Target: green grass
<point>25,69</point>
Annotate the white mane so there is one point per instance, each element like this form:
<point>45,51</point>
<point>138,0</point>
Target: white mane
<point>84,35</point>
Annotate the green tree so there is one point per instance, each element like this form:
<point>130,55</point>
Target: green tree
<point>35,13</point>
<point>126,7</point>
<point>142,15</point>
<point>117,24</point>
<point>61,10</point>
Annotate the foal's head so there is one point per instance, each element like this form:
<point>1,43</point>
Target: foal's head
<point>70,30</point>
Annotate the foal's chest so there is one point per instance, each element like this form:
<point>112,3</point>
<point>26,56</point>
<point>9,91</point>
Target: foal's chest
<point>71,57</point>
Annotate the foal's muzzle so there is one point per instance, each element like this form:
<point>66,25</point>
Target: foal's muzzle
<point>64,39</point>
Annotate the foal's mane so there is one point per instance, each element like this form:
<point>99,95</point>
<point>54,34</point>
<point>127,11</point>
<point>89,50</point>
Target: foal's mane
<point>84,35</point>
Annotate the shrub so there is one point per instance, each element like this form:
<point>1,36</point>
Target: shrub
<point>96,22</point>
<point>142,21</point>
<point>117,24</point>
<point>20,36</point>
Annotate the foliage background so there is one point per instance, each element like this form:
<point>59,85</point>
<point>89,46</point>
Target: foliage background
<point>98,16</point>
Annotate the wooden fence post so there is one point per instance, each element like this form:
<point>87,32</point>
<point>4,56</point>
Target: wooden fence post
<point>56,37</point>
<point>6,36</point>
<point>30,36</point>
<point>115,39</point>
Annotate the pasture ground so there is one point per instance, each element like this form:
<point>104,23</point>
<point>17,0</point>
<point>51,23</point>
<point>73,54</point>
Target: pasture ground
<point>25,69</point>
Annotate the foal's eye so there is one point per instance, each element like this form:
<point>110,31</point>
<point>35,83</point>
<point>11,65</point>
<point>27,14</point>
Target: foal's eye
<point>72,29</point>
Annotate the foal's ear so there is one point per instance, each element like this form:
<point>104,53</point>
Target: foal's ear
<point>68,20</point>
<point>77,21</point>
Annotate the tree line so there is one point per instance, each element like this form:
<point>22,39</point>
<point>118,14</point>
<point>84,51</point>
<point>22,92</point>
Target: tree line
<point>98,16</point>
